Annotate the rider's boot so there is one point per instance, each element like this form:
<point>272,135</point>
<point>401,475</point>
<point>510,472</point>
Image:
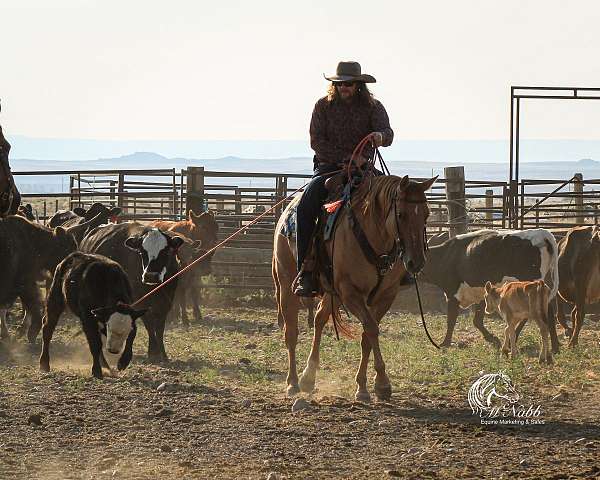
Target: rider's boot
<point>305,285</point>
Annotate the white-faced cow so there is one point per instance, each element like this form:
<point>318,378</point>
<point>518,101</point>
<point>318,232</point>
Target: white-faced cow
<point>148,255</point>
<point>462,265</point>
<point>28,252</point>
<point>203,228</point>
<point>96,290</point>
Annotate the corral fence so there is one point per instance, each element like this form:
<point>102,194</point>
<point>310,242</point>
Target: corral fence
<point>457,205</point>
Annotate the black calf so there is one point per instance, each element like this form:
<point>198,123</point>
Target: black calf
<point>97,290</point>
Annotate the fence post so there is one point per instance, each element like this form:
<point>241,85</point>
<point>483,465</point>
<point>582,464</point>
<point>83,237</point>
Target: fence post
<point>489,205</point>
<point>194,196</point>
<point>238,201</point>
<point>112,192</point>
<point>578,191</point>
<point>455,197</point>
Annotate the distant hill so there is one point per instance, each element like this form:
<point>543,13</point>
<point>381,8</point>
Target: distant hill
<point>303,165</point>
<point>402,150</point>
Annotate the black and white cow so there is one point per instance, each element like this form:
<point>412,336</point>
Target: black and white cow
<point>96,290</point>
<point>28,252</point>
<point>98,214</point>
<point>148,255</point>
<point>461,266</point>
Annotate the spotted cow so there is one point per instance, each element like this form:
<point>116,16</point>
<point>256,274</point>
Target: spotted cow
<point>462,265</point>
<point>149,256</point>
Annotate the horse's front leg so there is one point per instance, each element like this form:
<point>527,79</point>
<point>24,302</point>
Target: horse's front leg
<point>370,322</point>
<point>383,387</point>
<point>290,304</point>
<point>362,392</point>
<point>309,375</point>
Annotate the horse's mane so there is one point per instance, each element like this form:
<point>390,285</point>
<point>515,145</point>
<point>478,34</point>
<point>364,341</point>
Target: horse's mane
<point>376,193</point>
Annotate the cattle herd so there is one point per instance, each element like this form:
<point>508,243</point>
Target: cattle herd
<point>96,268</point>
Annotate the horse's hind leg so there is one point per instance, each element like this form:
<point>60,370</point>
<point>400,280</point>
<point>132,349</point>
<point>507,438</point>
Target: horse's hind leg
<point>311,312</point>
<point>309,375</point>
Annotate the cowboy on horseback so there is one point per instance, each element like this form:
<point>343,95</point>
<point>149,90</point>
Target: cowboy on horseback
<point>339,121</point>
<point>10,199</point>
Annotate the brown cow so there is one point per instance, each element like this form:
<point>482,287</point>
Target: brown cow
<point>516,302</point>
<point>203,228</point>
<point>579,271</point>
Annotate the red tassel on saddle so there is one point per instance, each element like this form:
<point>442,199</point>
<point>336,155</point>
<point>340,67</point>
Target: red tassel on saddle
<point>333,206</point>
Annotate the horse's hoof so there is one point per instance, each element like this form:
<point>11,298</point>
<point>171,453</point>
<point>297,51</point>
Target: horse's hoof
<point>362,396</point>
<point>383,392</point>
<point>292,390</point>
<point>44,367</point>
<point>446,344</point>
<point>307,384</point>
<point>568,332</point>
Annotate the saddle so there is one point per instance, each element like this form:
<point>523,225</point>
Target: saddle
<point>318,261</point>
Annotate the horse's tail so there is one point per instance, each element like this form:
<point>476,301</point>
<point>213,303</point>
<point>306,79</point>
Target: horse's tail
<point>340,325</point>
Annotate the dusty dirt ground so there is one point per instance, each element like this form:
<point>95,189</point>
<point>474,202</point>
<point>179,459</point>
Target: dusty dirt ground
<point>224,414</point>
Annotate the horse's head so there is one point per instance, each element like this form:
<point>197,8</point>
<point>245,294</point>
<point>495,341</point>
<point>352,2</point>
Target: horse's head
<point>411,212</point>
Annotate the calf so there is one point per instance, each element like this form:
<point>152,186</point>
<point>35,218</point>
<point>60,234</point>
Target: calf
<point>96,290</point>
<point>462,265</point>
<point>203,228</point>
<point>28,251</point>
<point>516,302</point>
<point>149,256</point>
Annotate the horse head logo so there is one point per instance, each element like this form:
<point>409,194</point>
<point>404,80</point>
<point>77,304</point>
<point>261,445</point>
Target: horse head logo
<point>492,391</point>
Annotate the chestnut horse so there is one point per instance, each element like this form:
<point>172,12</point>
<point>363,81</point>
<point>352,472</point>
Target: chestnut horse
<point>392,213</point>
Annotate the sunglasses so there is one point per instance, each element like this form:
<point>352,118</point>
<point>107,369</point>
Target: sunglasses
<point>345,84</point>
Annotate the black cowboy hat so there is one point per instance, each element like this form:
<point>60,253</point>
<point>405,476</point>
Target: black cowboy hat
<point>350,71</point>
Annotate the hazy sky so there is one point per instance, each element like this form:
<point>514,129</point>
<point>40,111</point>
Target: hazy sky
<point>228,69</point>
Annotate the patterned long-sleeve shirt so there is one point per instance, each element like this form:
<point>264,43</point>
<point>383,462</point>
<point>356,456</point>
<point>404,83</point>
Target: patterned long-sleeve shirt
<point>336,128</point>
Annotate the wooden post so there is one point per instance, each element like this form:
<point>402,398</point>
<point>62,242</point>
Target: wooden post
<point>455,196</point>
<point>238,201</point>
<point>489,205</point>
<point>174,206</point>
<point>71,200</point>
<point>194,196</point>
<point>112,192</point>
<point>120,190</point>
<point>578,190</point>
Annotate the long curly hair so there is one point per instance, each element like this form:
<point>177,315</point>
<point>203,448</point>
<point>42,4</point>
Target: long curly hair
<point>363,94</point>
